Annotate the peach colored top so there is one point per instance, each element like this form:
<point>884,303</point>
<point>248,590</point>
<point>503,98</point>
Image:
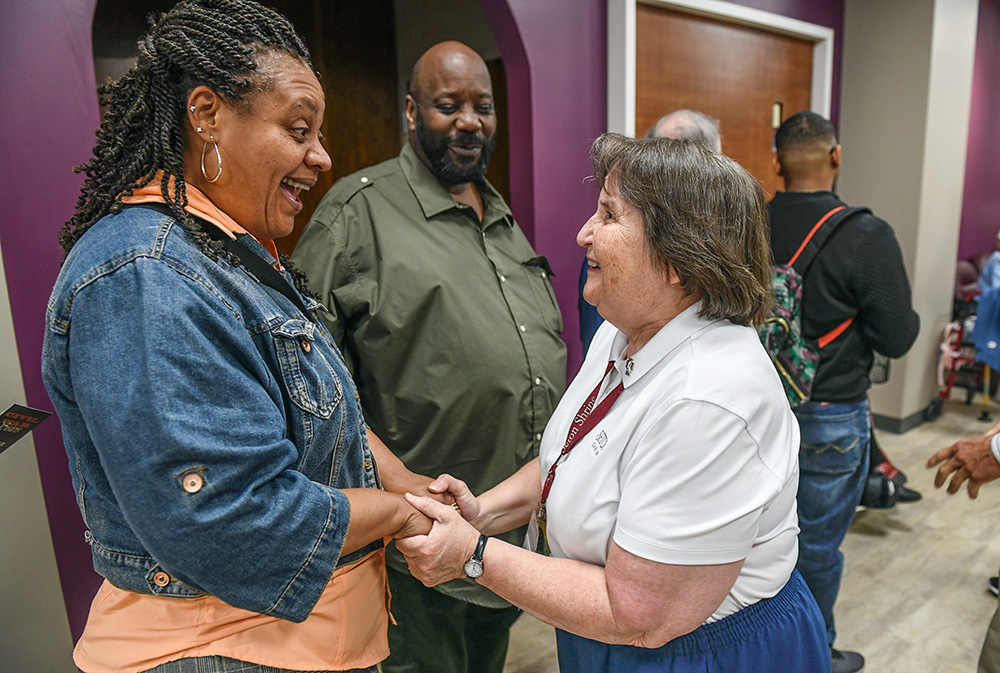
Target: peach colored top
<point>128,632</point>
<point>198,205</point>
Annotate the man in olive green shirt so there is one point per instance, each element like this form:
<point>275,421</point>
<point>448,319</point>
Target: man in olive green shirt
<point>447,319</point>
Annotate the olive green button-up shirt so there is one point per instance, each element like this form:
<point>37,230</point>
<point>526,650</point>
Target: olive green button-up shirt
<point>449,325</point>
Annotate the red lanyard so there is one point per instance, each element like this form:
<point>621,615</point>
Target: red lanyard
<point>586,418</point>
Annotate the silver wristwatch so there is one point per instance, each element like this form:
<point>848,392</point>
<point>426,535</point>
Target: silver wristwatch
<point>474,566</point>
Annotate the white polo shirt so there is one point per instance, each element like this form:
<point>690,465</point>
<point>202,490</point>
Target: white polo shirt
<point>695,464</point>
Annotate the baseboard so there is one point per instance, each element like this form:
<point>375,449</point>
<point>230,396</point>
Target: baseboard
<point>898,425</point>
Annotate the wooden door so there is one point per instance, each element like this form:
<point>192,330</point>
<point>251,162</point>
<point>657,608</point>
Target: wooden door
<point>731,72</point>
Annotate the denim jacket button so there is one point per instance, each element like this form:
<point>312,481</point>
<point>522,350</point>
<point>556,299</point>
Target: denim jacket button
<point>161,579</point>
<point>306,346</point>
<point>193,482</point>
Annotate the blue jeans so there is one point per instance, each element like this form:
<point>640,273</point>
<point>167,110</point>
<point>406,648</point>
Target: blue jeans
<point>833,468</point>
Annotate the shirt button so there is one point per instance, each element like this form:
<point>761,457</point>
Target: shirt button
<point>306,346</point>
<point>193,482</point>
<point>161,579</point>
<point>522,328</point>
<point>538,436</point>
<point>544,275</point>
<point>538,381</point>
<point>503,279</point>
<point>364,180</point>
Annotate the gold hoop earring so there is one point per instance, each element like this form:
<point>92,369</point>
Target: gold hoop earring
<point>218,157</point>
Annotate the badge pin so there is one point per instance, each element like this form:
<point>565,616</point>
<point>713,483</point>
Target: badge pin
<point>628,366</point>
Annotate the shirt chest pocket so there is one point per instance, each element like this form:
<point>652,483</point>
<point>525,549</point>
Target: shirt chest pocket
<point>312,381</point>
<point>537,270</point>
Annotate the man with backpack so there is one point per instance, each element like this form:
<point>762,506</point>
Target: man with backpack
<point>855,301</point>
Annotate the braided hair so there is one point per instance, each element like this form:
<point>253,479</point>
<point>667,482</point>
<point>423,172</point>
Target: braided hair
<point>211,42</point>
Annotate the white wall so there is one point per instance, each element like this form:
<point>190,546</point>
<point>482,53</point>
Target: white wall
<point>905,103</point>
<point>34,630</point>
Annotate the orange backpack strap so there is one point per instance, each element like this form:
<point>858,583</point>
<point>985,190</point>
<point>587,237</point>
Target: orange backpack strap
<point>812,231</point>
<point>834,333</point>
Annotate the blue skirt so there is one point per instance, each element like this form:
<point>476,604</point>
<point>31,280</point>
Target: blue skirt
<point>784,633</point>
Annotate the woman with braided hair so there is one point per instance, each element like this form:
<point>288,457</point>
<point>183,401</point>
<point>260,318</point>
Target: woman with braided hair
<point>235,502</point>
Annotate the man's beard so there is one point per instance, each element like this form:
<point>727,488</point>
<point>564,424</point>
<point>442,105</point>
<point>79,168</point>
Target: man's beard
<point>435,148</point>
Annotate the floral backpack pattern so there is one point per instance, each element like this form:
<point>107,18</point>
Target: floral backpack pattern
<point>794,356</point>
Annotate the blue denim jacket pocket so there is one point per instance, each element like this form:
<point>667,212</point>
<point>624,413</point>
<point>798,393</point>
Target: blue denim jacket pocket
<point>306,371</point>
<point>831,442</point>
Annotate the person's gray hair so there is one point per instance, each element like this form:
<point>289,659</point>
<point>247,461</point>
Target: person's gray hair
<point>692,125</point>
<point>704,216</point>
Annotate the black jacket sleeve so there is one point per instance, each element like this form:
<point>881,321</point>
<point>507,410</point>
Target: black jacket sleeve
<point>885,309</point>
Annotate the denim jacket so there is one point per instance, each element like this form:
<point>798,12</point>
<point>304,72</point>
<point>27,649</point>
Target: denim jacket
<point>209,425</point>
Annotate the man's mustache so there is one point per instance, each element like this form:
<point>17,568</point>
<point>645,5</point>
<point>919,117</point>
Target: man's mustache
<point>469,139</point>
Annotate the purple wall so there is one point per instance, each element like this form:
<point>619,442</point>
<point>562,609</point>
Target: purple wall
<point>49,108</point>
<point>981,199</point>
<point>555,59</point>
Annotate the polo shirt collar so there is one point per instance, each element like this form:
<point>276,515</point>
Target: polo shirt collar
<point>434,199</point>
<point>675,333</point>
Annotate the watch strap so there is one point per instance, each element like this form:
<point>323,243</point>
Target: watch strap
<point>480,548</point>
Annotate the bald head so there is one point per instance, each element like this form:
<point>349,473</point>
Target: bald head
<point>447,59</point>
<point>690,124</point>
<point>449,113</point>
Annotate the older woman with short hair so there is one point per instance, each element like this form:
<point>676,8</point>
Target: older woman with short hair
<point>235,502</point>
<point>668,530</point>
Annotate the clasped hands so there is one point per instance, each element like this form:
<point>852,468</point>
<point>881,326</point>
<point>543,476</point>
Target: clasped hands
<point>440,554</point>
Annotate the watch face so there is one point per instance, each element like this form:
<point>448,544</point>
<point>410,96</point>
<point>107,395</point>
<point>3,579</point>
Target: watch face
<point>473,568</point>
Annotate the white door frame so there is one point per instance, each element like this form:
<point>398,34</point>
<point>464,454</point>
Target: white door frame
<point>621,50</point>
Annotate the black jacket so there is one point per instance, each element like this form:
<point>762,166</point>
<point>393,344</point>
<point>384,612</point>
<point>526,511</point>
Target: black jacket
<point>859,272</point>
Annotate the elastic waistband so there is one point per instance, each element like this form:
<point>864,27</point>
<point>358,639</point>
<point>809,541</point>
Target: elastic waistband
<point>745,624</point>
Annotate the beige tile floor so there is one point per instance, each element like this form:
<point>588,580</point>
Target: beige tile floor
<point>914,597</point>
